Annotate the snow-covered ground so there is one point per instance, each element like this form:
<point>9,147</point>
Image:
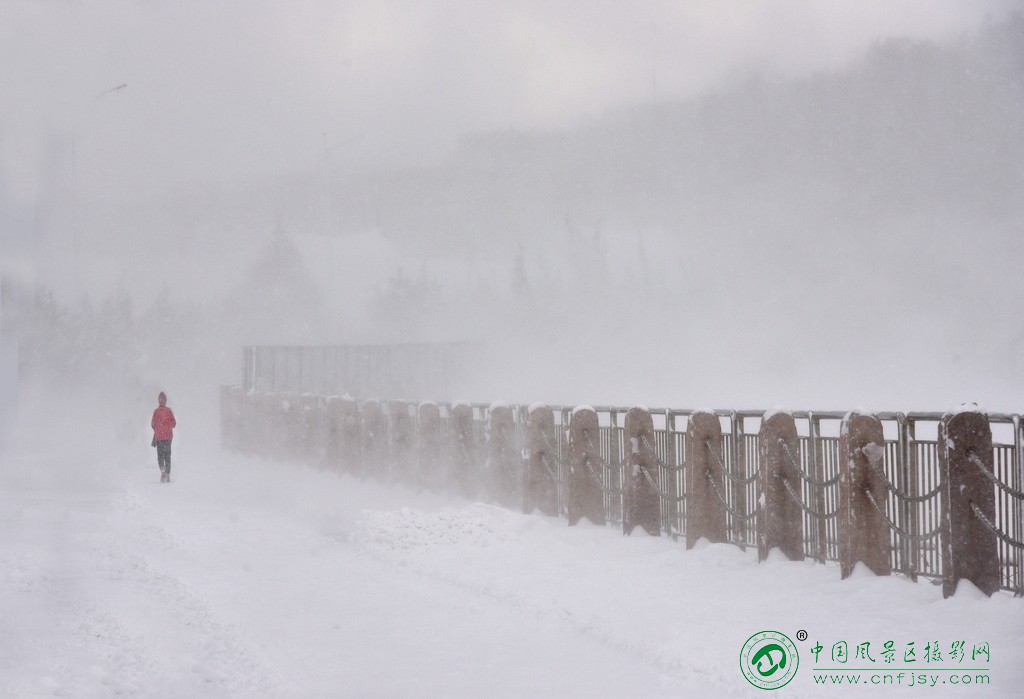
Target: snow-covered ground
<point>245,578</point>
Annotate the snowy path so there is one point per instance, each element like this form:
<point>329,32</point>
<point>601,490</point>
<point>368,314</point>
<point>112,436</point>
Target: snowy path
<point>252,579</point>
<point>218,586</point>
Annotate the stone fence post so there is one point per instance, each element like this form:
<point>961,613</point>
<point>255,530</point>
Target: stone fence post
<point>428,445</point>
<point>402,435</point>
<point>284,426</point>
<point>374,439</point>
<point>260,426</point>
<point>705,511</point>
<point>641,501</point>
<point>292,412</point>
<point>332,432</point>
<point>863,533</point>
<point>585,497</point>
<point>969,545</point>
<point>462,448</point>
<point>541,475</point>
<point>248,426</point>
<point>781,521</point>
<point>502,467</point>
<point>310,422</point>
<point>230,417</point>
<point>349,436</point>
<point>274,434</point>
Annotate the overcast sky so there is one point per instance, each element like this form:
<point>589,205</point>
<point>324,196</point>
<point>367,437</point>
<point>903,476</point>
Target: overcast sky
<point>218,91</point>
<point>114,114</point>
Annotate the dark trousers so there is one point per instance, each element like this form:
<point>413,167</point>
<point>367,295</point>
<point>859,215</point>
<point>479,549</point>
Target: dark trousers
<point>163,455</point>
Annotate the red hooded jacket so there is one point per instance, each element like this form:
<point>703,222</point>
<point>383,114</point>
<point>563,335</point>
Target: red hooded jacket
<point>163,421</point>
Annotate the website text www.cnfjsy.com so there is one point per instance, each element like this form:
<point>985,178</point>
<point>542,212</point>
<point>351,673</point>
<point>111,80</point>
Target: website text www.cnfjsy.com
<point>901,679</point>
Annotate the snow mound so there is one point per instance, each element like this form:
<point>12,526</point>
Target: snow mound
<point>407,529</point>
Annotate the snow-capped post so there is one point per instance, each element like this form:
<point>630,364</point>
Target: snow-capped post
<point>247,423</point>
<point>969,543</point>
<point>261,425</point>
<point>502,468</point>
<point>374,438</point>
<point>309,428</point>
<point>584,494</point>
<point>781,522</point>
<point>295,428</point>
<point>462,448</point>
<point>261,430</point>
<point>349,437</point>
<point>641,501</point>
<point>287,425</point>
<point>288,411</point>
<point>705,478</point>
<point>428,445</point>
<point>402,435</point>
<point>321,431</point>
<point>540,478</point>
<point>276,417</point>
<point>276,435</point>
<point>863,532</point>
<point>332,432</point>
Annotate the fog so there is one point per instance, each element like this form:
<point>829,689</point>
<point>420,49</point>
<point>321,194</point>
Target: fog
<point>704,204</point>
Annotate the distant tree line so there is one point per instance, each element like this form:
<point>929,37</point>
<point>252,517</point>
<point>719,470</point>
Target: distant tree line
<point>913,126</point>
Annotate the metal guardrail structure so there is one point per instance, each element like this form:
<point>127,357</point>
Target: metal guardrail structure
<point>412,368</point>
<point>911,507</point>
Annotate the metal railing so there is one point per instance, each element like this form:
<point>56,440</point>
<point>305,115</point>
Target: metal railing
<point>910,470</point>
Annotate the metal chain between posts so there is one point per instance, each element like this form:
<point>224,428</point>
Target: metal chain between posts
<point>597,454</point>
<point>895,527</point>
<point>798,501</point>
<point>548,449</point>
<point>547,466</point>
<point>734,479</point>
<point>725,504</point>
<point>608,489</point>
<point>657,488</point>
<point>1005,538</point>
<point>803,475</point>
<point>899,493</point>
<point>654,454</point>
<point>1013,493</point>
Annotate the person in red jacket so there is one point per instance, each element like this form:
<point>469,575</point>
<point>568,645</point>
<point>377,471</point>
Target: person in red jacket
<point>163,424</point>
